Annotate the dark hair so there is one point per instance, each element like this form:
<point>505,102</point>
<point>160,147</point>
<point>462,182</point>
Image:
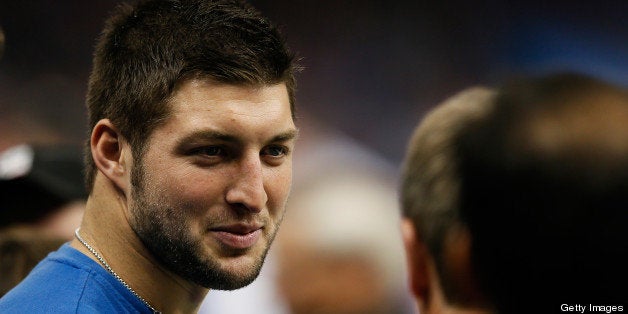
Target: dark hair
<point>544,192</point>
<point>146,50</point>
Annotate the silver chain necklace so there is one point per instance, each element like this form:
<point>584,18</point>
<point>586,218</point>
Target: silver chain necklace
<point>104,263</point>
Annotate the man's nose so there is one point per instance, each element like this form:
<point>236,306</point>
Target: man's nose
<point>247,188</point>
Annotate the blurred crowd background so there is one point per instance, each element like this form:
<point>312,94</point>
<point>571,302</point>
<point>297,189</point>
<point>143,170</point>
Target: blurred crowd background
<point>371,69</point>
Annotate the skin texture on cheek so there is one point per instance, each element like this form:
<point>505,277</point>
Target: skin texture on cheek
<point>167,229</point>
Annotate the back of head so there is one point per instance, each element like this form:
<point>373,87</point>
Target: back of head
<point>544,192</point>
<point>147,49</point>
<point>430,187</point>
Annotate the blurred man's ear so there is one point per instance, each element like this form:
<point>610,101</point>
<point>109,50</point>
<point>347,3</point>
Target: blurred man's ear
<point>457,261</point>
<point>417,259</point>
<point>423,276</point>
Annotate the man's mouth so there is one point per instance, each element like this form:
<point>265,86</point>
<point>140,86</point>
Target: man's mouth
<point>237,236</point>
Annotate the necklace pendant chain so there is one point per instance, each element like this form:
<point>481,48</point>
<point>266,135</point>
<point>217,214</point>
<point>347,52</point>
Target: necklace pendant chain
<point>106,265</point>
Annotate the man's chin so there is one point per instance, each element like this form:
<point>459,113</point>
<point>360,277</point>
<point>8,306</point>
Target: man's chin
<point>227,273</point>
<point>227,280</point>
<point>233,284</point>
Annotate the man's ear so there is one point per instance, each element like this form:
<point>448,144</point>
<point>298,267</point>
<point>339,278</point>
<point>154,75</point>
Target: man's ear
<point>417,259</point>
<point>109,151</point>
<point>457,259</point>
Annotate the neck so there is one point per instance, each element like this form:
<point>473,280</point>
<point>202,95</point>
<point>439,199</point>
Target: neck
<point>435,302</point>
<point>106,228</point>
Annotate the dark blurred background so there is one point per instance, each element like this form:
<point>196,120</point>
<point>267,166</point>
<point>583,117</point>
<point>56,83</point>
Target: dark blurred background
<point>372,68</point>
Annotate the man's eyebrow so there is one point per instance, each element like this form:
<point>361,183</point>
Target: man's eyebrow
<point>285,136</point>
<point>211,135</point>
<point>207,135</point>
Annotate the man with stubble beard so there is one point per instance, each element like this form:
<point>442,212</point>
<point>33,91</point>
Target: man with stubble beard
<point>191,112</point>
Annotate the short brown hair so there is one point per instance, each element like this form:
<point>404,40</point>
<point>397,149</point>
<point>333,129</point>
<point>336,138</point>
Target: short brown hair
<point>430,183</point>
<point>146,50</point>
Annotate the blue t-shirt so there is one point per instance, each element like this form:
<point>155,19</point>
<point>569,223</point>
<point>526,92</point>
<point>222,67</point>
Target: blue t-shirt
<point>67,281</point>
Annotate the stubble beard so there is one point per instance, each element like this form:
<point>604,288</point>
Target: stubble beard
<point>163,232</point>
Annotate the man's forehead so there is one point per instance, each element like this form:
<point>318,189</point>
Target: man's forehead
<point>227,90</point>
<point>252,100</point>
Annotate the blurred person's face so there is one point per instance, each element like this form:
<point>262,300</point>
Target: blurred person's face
<point>209,194</point>
<point>315,280</point>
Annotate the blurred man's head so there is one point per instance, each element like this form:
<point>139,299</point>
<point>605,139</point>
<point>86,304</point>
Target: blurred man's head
<point>527,200</point>
<point>545,192</point>
<point>437,242</point>
<point>339,250</point>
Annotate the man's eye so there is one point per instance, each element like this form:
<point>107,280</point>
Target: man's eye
<point>275,151</point>
<point>210,151</point>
